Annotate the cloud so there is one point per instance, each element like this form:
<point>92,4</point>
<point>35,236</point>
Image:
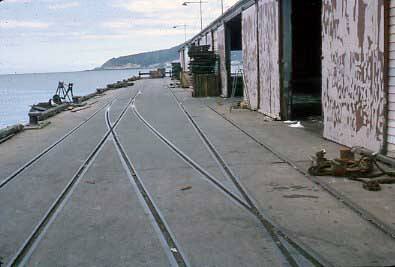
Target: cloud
<point>104,37</point>
<point>12,24</point>
<point>18,1</point>
<point>148,22</point>
<point>39,38</point>
<point>144,6</point>
<point>64,5</point>
<point>131,35</point>
<point>166,13</point>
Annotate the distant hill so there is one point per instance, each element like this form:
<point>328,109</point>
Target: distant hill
<point>143,60</point>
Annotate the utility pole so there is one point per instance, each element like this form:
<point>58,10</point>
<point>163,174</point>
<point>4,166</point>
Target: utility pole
<point>185,30</point>
<point>201,16</point>
<point>201,10</point>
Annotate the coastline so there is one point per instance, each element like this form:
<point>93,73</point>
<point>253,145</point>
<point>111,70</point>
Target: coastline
<point>37,118</point>
<point>73,71</point>
<point>19,91</point>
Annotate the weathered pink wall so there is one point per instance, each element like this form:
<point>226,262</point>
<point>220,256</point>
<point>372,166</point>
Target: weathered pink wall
<point>210,40</point>
<point>354,96</point>
<point>268,23</point>
<point>250,55</point>
<point>222,58</point>
<point>182,59</point>
<point>215,40</point>
<point>186,58</point>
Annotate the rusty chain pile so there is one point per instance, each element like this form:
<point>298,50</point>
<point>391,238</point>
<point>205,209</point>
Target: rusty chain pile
<point>366,169</point>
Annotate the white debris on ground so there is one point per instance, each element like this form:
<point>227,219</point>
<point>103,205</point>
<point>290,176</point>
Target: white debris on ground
<point>296,125</point>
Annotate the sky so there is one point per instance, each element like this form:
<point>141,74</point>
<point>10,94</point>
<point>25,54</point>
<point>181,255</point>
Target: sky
<point>72,35</point>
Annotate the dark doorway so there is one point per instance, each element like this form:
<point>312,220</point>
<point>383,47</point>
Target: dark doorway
<point>305,85</point>
<point>235,57</point>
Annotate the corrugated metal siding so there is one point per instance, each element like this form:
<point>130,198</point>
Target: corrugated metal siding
<point>353,72</point>
<point>391,74</point>
<point>250,55</point>
<point>268,24</point>
<point>221,41</point>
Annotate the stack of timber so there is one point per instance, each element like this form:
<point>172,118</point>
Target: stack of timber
<point>176,70</point>
<point>202,61</point>
<point>157,74</point>
<point>204,69</point>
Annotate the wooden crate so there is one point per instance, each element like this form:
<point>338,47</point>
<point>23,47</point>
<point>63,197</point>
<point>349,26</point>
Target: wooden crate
<point>205,85</point>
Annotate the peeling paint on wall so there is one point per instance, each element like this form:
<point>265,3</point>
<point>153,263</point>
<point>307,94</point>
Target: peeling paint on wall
<point>268,23</point>
<point>221,40</point>
<point>353,72</point>
<point>250,55</point>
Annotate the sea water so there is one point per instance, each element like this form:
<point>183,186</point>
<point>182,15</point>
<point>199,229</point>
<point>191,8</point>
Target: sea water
<point>19,91</point>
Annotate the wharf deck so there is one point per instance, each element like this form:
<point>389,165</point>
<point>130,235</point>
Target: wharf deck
<point>154,177</point>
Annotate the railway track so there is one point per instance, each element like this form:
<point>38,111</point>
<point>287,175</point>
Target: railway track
<point>31,162</point>
<point>276,231</point>
<point>293,250</point>
<point>21,257</point>
<point>173,251</point>
<point>296,253</point>
<point>361,212</point>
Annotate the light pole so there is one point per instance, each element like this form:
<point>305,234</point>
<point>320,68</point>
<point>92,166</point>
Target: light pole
<point>185,29</point>
<point>201,12</point>
<point>222,6</point>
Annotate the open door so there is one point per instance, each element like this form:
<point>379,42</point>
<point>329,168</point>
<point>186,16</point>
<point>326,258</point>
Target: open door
<point>223,51</point>
<point>269,77</point>
<point>250,56</point>
<point>301,58</point>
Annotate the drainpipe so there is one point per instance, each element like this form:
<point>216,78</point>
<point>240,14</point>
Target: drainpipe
<point>387,34</point>
<point>258,61</point>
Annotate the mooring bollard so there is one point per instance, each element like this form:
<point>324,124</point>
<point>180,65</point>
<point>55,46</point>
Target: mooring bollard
<point>33,117</point>
<point>76,99</point>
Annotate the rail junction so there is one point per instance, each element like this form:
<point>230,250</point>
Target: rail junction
<point>152,177</point>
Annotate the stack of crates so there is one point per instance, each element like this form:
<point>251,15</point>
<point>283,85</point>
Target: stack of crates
<point>176,70</point>
<point>204,69</point>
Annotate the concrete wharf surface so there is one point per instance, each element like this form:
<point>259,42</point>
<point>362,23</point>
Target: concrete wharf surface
<point>136,200</point>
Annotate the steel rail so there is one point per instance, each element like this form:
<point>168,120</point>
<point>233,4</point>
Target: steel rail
<point>190,162</point>
<point>275,231</point>
<point>11,177</point>
<point>23,254</point>
<point>360,211</point>
<point>271,229</point>
<point>213,151</point>
<point>177,257</point>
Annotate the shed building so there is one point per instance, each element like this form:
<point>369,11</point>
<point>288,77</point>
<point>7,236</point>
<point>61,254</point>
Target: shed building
<point>329,58</point>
